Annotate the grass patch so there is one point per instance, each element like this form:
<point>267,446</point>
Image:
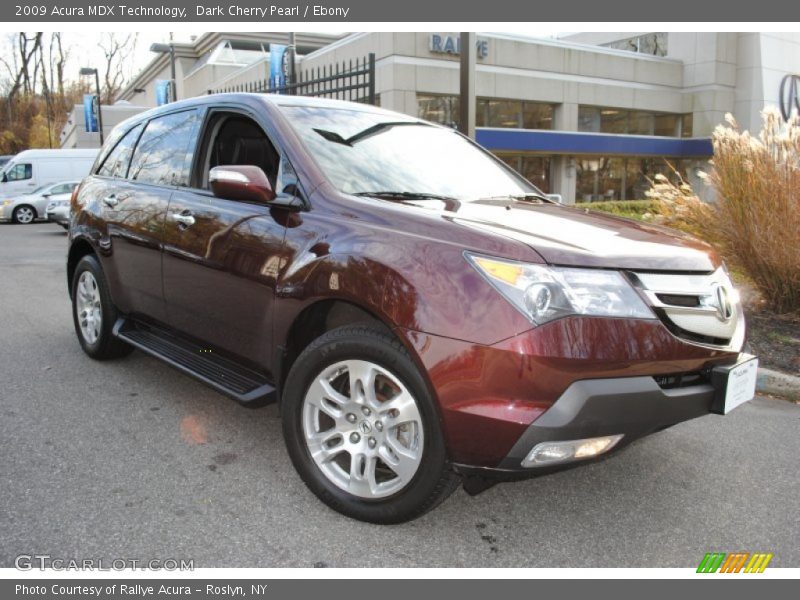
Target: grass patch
<point>632,209</point>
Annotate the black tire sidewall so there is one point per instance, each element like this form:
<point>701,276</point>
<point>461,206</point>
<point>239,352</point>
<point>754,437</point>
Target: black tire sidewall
<point>106,343</point>
<point>375,346</point>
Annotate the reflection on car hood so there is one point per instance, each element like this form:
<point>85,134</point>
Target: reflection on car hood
<point>569,236</point>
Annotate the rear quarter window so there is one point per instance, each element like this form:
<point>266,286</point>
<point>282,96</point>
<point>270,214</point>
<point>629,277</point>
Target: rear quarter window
<point>116,162</point>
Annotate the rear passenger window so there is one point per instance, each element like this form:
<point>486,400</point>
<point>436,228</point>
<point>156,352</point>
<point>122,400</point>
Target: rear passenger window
<point>164,152</point>
<point>116,163</point>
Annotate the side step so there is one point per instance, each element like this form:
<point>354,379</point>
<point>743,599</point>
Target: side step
<point>223,374</point>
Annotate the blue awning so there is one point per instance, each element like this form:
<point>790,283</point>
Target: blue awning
<point>572,143</point>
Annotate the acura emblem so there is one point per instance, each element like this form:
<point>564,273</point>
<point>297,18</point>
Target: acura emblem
<point>723,302</point>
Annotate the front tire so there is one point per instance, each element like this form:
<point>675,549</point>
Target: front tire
<point>24,215</point>
<point>362,430</point>
<point>93,312</point>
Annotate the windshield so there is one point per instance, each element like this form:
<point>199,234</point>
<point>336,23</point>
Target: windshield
<point>363,152</point>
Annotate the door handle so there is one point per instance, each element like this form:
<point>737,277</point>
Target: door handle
<point>186,219</point>
<point>111,200</point>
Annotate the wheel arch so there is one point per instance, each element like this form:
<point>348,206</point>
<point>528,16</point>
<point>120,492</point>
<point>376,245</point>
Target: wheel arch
<point>77,250</point>
<point>318,318</point>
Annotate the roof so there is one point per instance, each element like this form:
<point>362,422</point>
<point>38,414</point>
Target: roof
<point>60,152</point>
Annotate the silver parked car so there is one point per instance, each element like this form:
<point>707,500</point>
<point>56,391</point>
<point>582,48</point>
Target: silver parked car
<point>58,210</point>
<point>29,207</point>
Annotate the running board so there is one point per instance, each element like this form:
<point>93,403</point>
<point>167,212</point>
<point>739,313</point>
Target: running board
<point>223,374</point>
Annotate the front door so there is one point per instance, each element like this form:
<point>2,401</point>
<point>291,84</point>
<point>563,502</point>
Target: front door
<point>221,257</point>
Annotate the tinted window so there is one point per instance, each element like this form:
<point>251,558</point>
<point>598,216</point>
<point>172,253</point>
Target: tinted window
<point>116,163</point>
<point>163,154</point>
<point>19,172</point>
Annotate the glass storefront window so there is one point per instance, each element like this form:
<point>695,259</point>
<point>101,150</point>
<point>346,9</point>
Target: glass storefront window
<point>641,123</point>
<point>438,109</point>
<point>536,115</point>
<point>613,120</point>
<point>666,125</point>
<point>504,113</point>
<point>589,119</point>
<point>535,169</point>
<point>686,125</point>
<point>594,119</point>
<point>602,178</point>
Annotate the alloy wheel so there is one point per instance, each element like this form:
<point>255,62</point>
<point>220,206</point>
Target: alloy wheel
<point>363,429</point>
<point>88,307</point>
<point>24,215</point>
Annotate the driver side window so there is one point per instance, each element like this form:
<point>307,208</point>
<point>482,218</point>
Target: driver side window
<point>20,172</point>
<point>233,139</point>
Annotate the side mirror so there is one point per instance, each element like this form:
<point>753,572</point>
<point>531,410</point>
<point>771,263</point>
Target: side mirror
<point>555,198</point>
<point>241,182</point>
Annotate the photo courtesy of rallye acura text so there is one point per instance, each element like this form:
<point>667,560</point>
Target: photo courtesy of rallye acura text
<point>422,314</point>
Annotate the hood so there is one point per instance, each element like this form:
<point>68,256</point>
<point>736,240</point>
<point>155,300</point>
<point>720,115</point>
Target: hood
<point>577,237</point>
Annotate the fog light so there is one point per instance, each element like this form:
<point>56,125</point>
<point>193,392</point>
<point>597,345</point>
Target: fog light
<point>548,453</point>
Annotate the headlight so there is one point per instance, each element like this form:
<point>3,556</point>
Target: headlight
<point>6,202</point>
<point>545,293</point>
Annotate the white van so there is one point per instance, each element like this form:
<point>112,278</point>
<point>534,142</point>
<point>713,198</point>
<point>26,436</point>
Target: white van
<point>32,169</point>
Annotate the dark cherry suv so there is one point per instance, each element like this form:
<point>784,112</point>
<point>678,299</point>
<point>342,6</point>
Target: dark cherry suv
<point>423,315</point>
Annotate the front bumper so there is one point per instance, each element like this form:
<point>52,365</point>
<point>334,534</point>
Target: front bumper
<point>59,216</point>
<point>632,406</point>
<point>574,378</point>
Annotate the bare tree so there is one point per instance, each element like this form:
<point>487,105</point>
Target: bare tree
<point>117,52</point>
<point>27,48</point>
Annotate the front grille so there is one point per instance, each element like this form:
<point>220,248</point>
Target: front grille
<point>700,308</point>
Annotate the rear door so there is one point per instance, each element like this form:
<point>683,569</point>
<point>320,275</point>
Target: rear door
<point>139,176</point>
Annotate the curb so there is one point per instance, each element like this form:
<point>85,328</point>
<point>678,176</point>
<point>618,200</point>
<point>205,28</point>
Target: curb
<point>780,384</point>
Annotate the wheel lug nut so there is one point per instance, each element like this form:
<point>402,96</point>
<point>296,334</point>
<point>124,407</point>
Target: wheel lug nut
<point>371,442</point>
<point>351,418</point>
<point>379,426</point>
<point>366,411</point>
<point>355,438</point>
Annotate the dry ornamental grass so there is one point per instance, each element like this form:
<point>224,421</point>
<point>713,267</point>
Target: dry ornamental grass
<point>755,219</point>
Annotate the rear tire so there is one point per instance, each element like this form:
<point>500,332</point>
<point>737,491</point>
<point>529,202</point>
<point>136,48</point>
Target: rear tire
<point>93,312</point>
<point>372,451</point>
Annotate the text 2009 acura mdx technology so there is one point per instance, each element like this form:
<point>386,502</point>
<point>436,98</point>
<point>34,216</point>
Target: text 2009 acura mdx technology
<point>422,314</point>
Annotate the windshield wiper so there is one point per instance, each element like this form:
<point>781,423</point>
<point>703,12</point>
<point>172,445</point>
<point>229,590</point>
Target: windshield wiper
<point>332,136</point>
<point>529,197</point>
<point>404,195</point>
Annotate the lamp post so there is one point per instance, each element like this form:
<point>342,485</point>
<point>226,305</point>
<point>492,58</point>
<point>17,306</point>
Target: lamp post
<point>292,54</point>
<point>467,71</point>
<point>168,49</point>
<point>89,71</point>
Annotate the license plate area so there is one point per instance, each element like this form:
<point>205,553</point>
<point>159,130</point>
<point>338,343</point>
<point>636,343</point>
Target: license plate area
<point>734,384</point>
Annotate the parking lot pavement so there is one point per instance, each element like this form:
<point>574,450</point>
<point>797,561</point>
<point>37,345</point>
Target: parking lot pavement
<point>131,459</point>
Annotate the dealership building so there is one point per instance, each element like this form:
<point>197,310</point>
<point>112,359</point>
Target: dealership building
<point>590,116</point>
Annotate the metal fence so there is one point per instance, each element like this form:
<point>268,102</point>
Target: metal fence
<point>348,80</point>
